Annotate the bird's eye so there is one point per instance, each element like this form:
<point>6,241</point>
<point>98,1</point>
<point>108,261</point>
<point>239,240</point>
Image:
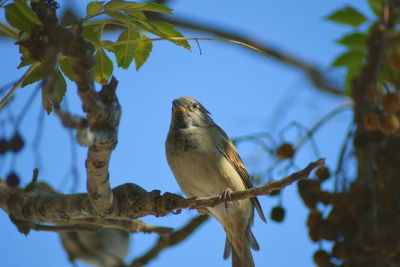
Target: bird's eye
<point>195,105</point>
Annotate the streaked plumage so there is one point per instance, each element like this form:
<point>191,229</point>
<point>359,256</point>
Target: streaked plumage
<point>205,163</point>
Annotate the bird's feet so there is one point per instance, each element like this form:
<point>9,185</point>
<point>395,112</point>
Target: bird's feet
<point>226,197</point>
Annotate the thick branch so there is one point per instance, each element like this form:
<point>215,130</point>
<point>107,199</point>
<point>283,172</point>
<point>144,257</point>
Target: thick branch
<point>370,145</point>
<point>132,201</point>
<point>173,239</point>
<point>102,108</point>
<point>318,79</point>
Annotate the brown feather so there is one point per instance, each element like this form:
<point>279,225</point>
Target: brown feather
<point>233,157</point>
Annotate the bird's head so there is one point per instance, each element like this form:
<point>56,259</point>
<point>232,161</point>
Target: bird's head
<point>187,112</point>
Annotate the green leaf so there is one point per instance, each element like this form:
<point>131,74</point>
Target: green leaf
<point>94,8</point>
<point>349,59</point>
<point>104,67</point>
<point>25,57</point>
<point>142,22</point>
<point>54,95</point>
<point>61,87</point>
<point>9,31</point>
<point>376,6</point>
<point>92,33</point>
<point>67,68</point>
<point>348,16</point>
<point>354,40</point>
<point>168,30</point>
<point>116,5</point>
<point>125,19</point>
<point>125,53</point>
<point>142,51</point>
<point>109,45</point>
<point>17,19</point>
<point>26,11</point>
<point>352,72</point>
<point>35,75</point>
<point>152,7</point>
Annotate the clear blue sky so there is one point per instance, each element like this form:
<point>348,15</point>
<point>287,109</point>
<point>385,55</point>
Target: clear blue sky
<point>245,92</point>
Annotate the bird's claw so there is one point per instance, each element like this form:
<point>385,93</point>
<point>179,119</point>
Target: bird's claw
<point>226,196</point>
<point>176,212</point>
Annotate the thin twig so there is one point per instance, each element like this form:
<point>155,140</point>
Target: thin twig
<point>252,192</point>
<point>135,226</point>
<point>18,84</point>
<point>318,78</point>
<point>173,239</point>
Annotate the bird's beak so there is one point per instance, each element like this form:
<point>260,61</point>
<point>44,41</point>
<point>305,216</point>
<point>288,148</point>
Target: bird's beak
<point>177,107</point>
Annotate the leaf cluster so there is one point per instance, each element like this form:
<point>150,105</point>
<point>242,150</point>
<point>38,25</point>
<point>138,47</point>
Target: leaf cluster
<point>134,42</point>
<point>354,56</point>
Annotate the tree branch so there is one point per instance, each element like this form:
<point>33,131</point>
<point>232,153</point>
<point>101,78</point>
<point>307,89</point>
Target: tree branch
<point>102,108</point>
<point>136,226</point>
<point>95,224</point>
<point>318,79</point>
<point>173,239</point>
<point>131,200</point>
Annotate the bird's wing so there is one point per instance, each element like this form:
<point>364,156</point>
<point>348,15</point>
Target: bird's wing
<point>233,157</point>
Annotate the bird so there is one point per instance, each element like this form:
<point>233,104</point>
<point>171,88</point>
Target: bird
<point>106,247</point>
<point>205,163</point>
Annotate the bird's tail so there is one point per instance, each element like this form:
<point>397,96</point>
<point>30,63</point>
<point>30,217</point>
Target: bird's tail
<point>238,244</point>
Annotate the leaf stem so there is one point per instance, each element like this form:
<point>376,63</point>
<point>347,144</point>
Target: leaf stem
<point>18,84</point>
<point>184,38</point>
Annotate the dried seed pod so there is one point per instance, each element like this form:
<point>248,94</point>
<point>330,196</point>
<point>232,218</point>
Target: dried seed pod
<point>323,173</point>
<point>391,102</point>
<point>371,121</point>
<point>321,258</point>
<point>349,228</point>
<point>335,216</point>
<point>285,151</point>
<point>314,233</point>
<point>394,61</point>
<point>4,146</point>
<point>389,247</point>
<point>328,231</point>
<point>339,250</point>
<point>314,218</point>
<point>325,198</point>
<point>309,186</point>
<point>12,179</point>
<point>16,143</point>
<point>278,214</point>
<point>389,123</point>
<point>311,201</point>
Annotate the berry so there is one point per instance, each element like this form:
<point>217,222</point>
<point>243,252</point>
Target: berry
<point>285,151</point>
<point>278,214</point>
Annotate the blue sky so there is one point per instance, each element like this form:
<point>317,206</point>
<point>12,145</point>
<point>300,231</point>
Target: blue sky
<point>245,92</point>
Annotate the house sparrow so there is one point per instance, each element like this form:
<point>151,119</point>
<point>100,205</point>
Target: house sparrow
<point>107,247</point>
<point>205,163</point>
